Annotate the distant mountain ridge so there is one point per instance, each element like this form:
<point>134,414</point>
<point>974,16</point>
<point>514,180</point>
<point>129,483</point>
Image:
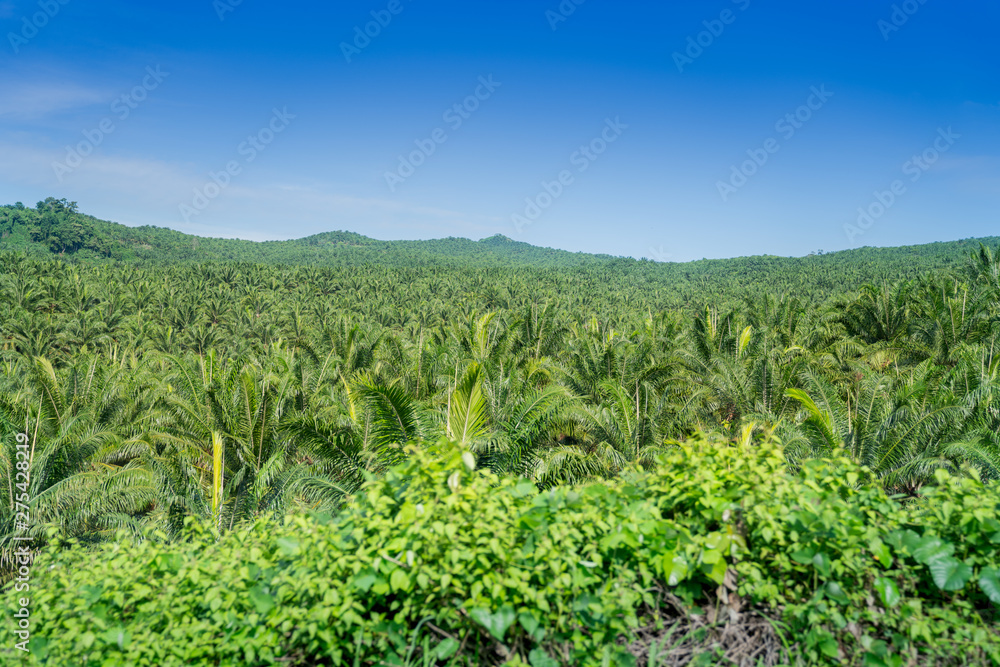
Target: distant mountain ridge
<point>57,228</point>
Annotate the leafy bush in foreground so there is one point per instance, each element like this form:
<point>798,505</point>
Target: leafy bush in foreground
<point>438,563</point>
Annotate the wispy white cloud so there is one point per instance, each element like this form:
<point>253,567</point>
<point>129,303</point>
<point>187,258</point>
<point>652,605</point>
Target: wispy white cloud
<point>140,191</point>
<point>974,174</point>
<point>36,100</point>
<point>969,104</point>
<point>970,163</point>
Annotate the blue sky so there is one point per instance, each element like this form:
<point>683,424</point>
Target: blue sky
<point>630,128</point>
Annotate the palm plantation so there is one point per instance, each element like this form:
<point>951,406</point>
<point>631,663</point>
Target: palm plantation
<point>227,392</point>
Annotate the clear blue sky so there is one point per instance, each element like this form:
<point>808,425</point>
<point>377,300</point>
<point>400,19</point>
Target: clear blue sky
<point>671,128</point>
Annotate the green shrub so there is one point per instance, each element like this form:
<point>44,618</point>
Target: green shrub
<point>439,563</point>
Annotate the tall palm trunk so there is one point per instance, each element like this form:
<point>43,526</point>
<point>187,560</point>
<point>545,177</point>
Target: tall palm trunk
<point>217,478</point>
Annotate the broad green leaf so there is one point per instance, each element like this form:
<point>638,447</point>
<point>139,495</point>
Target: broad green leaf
<point>830,648</point>
<point>364,580</point>
<point>399,580</point>
<point>950,574</point>
<point>117,636</point>
<point>539,658</point>
<point>888,592</point>
<point>932,548</point>
<point>903,540</point>
<point>39,647</point>
<point>469,460</point>
<point>881,552</point>
<point>822,563</point>
<point>288,547</point>
<point>261,600</point>
<point>446,649</point>
<point>496,623</point>
<point>989,583</point>
<point>836,592</point>
<point>804,556</point>
<point>524,488</point>
<point>675,570</point>
<point>717,572</point>
<point>618,656</point>
<point>531,625</point>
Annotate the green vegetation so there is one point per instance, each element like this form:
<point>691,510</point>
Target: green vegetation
<point>340,451</point>
<point>439,564</point>
<point>815,277</point>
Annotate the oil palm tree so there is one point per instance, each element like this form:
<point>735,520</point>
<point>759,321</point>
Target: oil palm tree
<point>87,463</point>
<point>505,419</point>
<point>900,429</point>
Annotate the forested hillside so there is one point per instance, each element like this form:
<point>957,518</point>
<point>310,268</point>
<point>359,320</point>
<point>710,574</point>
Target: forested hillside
<point>187,406</point>
<point>56,228</point>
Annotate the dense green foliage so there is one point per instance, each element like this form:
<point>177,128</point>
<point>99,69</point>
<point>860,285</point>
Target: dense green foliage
<point>439,564</point>
<point>56,228</point>
<point>161,390</point>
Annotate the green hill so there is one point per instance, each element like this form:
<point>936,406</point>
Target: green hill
<point>57,228</point>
